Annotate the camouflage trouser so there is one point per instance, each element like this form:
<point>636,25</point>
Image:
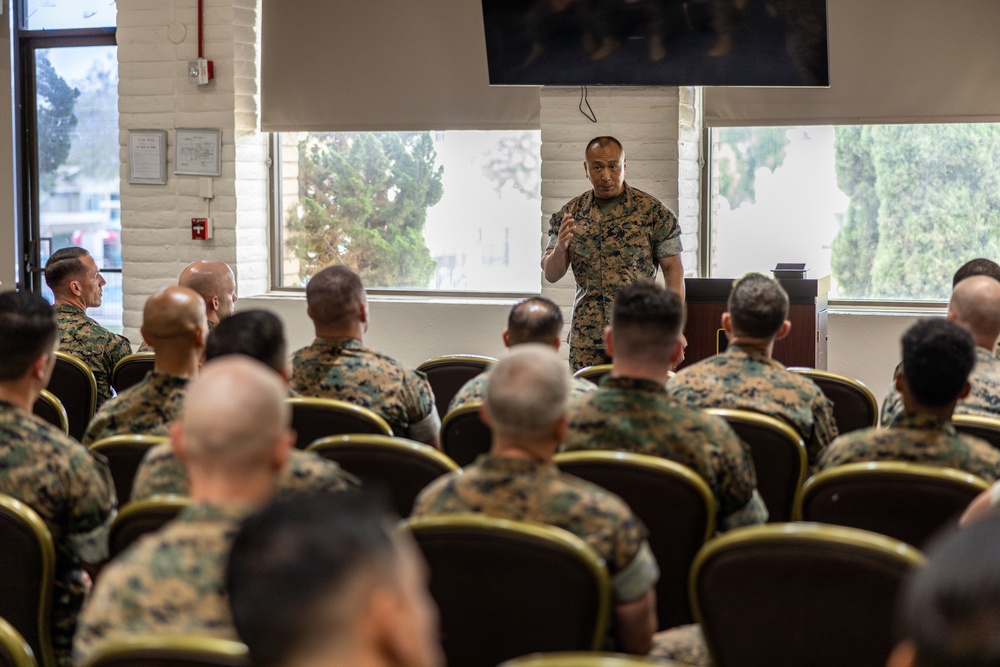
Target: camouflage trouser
<point>684,644</point>
<point>581,357</point>
<point>69,592</point>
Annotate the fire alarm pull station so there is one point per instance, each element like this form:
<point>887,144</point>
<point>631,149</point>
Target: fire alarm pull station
<point>201,229</point>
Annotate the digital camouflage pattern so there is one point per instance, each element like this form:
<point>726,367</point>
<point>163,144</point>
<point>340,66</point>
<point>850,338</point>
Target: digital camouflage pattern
<point>71,489</point>
<point>344,369</point>
<point>638,416</point>
<point>94,345</point>
<point>474,391</point>
<point>305,472</point>
<point>168,582</point>
<point>983,399</point>
<point>582,357</point>
<point>608,252</point>
<point>917,438</point>
<point>746,379</point>
<point>146,347</point>
<point>684,645</point>
<point>146,408</point>
<point>525,490</point>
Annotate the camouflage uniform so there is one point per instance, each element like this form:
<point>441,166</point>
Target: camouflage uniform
<point>146,347</point>
<point>160,472</point>
<point>684,645</point>
<point>71,489</point>
<point>146,408</point>
<point>915,438</point>
<point>747,379</point>
<point>606,253</point>
<point>983,399</point>
<point>524,490</point>
<point>169,582</point>
<point>344,369</point>
<point>474,391</point>
<point>637,415</point>
<point>97,347</point>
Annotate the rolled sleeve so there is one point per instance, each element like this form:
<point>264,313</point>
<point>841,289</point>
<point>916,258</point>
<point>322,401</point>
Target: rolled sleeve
<point>633,580</point>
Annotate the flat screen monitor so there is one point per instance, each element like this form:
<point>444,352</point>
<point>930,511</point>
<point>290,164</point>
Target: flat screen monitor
<point>657,42</point>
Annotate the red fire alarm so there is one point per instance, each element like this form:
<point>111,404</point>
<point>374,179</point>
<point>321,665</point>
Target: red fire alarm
<point>201,229</point>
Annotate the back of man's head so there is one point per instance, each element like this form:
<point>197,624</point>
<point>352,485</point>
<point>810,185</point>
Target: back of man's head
<point>646,321</point>
<point>758,306</point>
<point>234,417</point>
<point>938,356</point>
<point>257,334</point>
<point>976,267</point>
<point>949,613</point>
<point>27,331</point>
<point>975,304</point>
<point>333,297</point>
<point>534,320</point>
<point>172,319</point>
<point>63,265</point>
<point>306,576</point>
<point>527,392</point>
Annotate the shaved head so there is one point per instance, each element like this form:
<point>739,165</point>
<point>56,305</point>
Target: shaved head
<point>234,414</point>
<point>975,304</point>
<point>215,282</point>
<point>172,317</point>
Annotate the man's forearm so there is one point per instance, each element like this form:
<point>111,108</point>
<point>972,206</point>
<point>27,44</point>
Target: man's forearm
<point>555,264</point>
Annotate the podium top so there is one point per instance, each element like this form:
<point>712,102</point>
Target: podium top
<point>715,290</point>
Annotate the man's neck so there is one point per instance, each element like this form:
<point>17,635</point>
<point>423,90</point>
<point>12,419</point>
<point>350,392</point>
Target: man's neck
<point>912,407</point>
<point>224,487</point>
<point>627,368</point>
<point>19,393</point>
<point>515,448</point>
<point>183,363</point>
<point>763,345</point>
<point>355,331</point>
<point>70,300</point>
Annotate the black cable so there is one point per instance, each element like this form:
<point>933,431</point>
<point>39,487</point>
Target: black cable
<point>592,117</point>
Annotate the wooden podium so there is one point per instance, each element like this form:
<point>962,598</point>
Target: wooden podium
<point>805,344</point>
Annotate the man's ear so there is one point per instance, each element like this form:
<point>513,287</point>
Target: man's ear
<point>74,287</point>
<point>506,337</point>
<point>284,445</point>
<point>609,341</point>
<point>40,366</point>
<point>727,324</point>
<point>786,326</point>
<point>562,426</point>
<point>965,390</point>
<point>177,441</point>
<point>484,415</point>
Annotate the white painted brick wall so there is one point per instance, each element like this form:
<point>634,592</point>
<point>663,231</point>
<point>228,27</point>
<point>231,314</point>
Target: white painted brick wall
<point>661,131</point>
<point>154,94</point>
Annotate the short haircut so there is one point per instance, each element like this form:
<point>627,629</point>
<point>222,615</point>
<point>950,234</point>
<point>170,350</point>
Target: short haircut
<point>27,330</point>
<point>258,334</point>
<point>534,320</point>
<point>950,608</point>
<point>63,265</point>
<point>758,306</point>
<point>292,559</point>
<point>646,320</point>
<point>602,141</point>
<point>333,295</point>
<point>938,356</point>
<point>526,392</point>
<point>977,267</point>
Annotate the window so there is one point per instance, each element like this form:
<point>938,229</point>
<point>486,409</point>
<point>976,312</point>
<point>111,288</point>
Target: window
<point>889,211</point>
<point>452,211</point>
<point>68,143</point>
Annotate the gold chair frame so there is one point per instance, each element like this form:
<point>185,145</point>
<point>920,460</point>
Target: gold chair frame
<point>78,363</point>
<point>230,652</point>
<point>458,413</point>
<point>856,385</point>
<point>389,442</point>
<point>583,659</point>
<point>594,373</point>
<point>344,407</point>
<point>126,361</point>
<point>53,401</point>
<point>970,424</point>
<point>15,647</point>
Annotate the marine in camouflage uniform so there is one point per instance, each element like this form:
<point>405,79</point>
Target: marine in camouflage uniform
<point>637,415</point>
<point>747,379</point>
<point>610,250</point>
<point>162,473</point>
<point>169,582</point>
<point>344,369</point>
<point>915,438</point>
<point>474,391</point>
<point>146,408</point>
<point>527,490</point>
<point>983,399</point>
<point>97,347</point>
<point>72,490</point>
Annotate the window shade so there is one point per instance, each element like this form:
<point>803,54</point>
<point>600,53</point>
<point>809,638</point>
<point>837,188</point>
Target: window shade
<point>891,61</point>
<point>333,65</point>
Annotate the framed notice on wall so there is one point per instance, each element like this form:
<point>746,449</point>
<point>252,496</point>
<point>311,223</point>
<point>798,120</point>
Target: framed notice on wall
<point>198,152</point>
<point>147,157</point>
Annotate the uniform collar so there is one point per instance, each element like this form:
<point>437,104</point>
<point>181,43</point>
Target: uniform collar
<point>923,421</point>
<point>216,512</point>
<point>752,354</point>
<point>505,465</point>
<point>341,343</point>
<point>636,384</point>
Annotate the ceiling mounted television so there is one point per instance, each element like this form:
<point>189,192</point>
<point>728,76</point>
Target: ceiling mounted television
<point>657,42</point>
